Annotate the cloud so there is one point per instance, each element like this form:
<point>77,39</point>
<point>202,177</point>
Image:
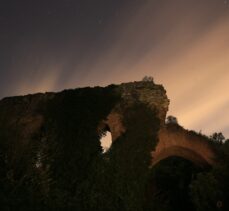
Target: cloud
<point>184,45</point>
<point>185,49</point>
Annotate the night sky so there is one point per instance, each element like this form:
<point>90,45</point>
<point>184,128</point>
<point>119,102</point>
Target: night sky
<point>50,45</point>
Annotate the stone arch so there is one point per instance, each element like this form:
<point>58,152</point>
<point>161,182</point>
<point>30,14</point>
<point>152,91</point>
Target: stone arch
<point>113,123</point>
<point>181,152</point>
<point>176,141</point>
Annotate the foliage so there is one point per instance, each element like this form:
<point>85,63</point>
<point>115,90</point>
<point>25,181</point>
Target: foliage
<point>171,120</point>
<point>147,79</point>
<point>49,171</point>
<point>210,191</point>
<point>205,192</point>
<point>217,138</point>
<point>62,166</point>
<point>169,188</point>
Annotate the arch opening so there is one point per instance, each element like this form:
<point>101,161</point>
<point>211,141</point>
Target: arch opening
<point>106,141</point>
<point>170,181</point>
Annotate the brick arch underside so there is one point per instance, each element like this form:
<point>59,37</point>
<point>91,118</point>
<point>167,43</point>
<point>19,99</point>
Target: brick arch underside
<point>176,141</point>
<point>178,151</point>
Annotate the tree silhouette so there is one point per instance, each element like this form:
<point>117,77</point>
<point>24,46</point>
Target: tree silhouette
<point>171,120</point>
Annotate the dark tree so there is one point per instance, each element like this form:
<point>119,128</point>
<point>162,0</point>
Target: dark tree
<point>171,120</point>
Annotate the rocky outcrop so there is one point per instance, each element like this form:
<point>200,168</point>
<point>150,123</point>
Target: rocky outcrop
<point>50,146</point>
<point>148,93</point>
<point>25,116</point>
<point>145,92</point>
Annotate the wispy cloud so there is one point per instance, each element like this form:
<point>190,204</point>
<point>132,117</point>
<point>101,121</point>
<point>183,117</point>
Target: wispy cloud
<point>183,44</point>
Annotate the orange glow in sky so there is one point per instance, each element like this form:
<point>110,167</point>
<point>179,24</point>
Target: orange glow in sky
<point>184,45</point>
